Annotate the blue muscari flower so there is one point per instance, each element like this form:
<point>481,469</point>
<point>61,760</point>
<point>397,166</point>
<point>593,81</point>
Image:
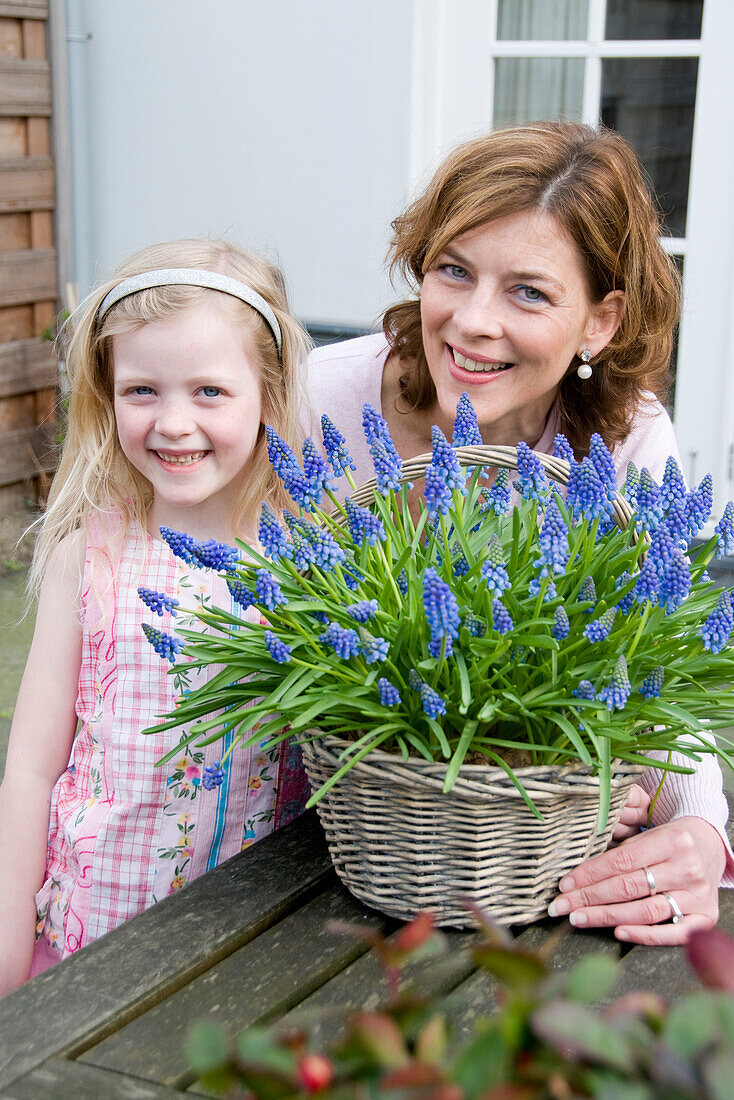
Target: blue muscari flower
<point>433,704</point>
<point>277,649</point>
<point>717,628</point>
<point>389,694</point>
<point>617,691</point>
<point>476,626</point>
<point>301,489</point>
<point>373,649</point>
<point>272,536</point>
<point>344,641</point>
<point>213,776</point>
<point>441,608</point>
<point>598,630</point>
<point>363,611</point>
<point>402,582</point>
<point>553,541</point>
<point>216,555</point>
<point>501,617</point>
<point>459,564</point>
<point>388,468</point>
<point>158,602</point>
<point>724,530</point>
<point>533,481</point>
<point>165,645</point>
<point>268,591</point>
<point>536,584</point>
<point>183,546</point>
<point>563,449</point>
<point>662,548</point>
<point>603,462</point>
<point>587,494</point>
<point>631,482</point>
<point>437,493</point>
<point>335,447</point>
<point>627,601</point>
<point>675,582</point>
<point>363,524</point>
<point>674,486</point>
<point>326,551</point>
<point>588,592</point>
<point>466,428</point>
<point>494,570</point>
<point>561,624</point>
<point>437,646</point>
<point>652,684</point>
<point>414,680</point>
<point>699,503</point>
<point>498,496</point>
<point>584,690</point>
<point>280,454</point>
<point>303,551</point>
<point>353,577</point>
<point>240,593</point>
<point>648,582</point>
<point>375,427</point>
<point>676,521</point>
<point>648,502</point>
<point>316,469</point>
<point>444,457</point>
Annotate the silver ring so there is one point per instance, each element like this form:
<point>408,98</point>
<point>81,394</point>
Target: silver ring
<point>650,880</point>
<point>674,908</point>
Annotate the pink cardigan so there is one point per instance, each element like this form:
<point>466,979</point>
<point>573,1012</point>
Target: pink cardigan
<point>341,377</point>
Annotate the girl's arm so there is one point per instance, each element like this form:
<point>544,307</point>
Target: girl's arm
<point>41,736</point>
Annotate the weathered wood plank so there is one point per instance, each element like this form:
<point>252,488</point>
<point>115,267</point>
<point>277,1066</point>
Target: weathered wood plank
<point>260,982</point>
<point>28,275</point>
<point>99,990</point>
<point>24,9</point>
<point>25,87</point>
<point>27,366</point>
<point>26,183</point>
<point>25,451</point>
<point>64,1080</point>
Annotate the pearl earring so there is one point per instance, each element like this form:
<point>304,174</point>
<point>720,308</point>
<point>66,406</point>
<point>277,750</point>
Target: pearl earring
<point>585,371</point>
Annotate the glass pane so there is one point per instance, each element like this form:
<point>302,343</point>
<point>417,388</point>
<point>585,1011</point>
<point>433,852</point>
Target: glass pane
<point>547,20</point>
<point>651,101</point>
<point>654,18</point>
<point>527,88</point>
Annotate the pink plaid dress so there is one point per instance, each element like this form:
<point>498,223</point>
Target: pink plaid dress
<point>122,833</point>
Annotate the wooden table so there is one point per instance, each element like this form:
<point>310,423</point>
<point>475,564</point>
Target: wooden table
<point>245,944</point>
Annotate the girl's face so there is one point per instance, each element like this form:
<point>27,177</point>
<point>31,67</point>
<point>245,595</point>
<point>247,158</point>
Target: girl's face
<point>187,406</point>
<point>504,310</point>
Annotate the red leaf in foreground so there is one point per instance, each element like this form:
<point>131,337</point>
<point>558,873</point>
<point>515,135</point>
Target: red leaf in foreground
<point>711,954</point>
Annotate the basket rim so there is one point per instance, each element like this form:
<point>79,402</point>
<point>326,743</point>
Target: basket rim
<point>417,763</point>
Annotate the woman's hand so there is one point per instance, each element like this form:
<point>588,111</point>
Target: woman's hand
<point>634,815</point>
<point>685,859</point>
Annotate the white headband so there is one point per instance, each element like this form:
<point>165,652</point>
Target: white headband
<point>192,276</point>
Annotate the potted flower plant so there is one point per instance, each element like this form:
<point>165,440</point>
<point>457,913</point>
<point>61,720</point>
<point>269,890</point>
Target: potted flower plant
<point>475,682</point>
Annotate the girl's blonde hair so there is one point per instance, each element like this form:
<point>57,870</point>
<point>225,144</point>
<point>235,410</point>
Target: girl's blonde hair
<point>591,181</point>
<point>94,476</point>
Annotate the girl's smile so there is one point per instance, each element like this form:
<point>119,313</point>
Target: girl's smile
<point>504,310</point>
<point>187,406</point>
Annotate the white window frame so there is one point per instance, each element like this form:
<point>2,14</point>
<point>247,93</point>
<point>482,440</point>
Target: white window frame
<point>454,50</point>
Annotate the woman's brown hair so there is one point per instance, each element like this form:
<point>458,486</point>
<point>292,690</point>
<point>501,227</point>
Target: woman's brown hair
<point>592,182</point>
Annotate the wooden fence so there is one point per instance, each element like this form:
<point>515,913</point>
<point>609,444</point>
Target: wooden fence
<point>28,268</point>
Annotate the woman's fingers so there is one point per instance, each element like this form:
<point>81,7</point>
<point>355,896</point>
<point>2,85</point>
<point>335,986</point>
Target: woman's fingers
<point>633,816</point>
<point>628,887</point>
<point>664,935</point>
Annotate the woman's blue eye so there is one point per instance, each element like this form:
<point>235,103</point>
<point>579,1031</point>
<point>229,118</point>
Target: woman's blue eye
<point>143,391</point>
<point>532,294</point>
<point>455,271</point>
<point>210,391</point>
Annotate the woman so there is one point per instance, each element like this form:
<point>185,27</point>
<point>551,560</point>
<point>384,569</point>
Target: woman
<point>541,289</point>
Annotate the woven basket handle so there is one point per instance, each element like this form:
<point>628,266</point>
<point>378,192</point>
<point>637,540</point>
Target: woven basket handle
<point>483,455</point>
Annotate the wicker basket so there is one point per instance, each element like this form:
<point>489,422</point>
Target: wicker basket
<point>401,845</point>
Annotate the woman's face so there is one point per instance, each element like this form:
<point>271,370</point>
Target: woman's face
<point>504,310</point>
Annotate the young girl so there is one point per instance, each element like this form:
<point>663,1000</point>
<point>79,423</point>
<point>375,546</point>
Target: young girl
<point>174,368</point>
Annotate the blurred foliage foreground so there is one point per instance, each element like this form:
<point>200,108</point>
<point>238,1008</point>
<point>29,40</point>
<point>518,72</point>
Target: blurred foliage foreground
<point>544,1041</point>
